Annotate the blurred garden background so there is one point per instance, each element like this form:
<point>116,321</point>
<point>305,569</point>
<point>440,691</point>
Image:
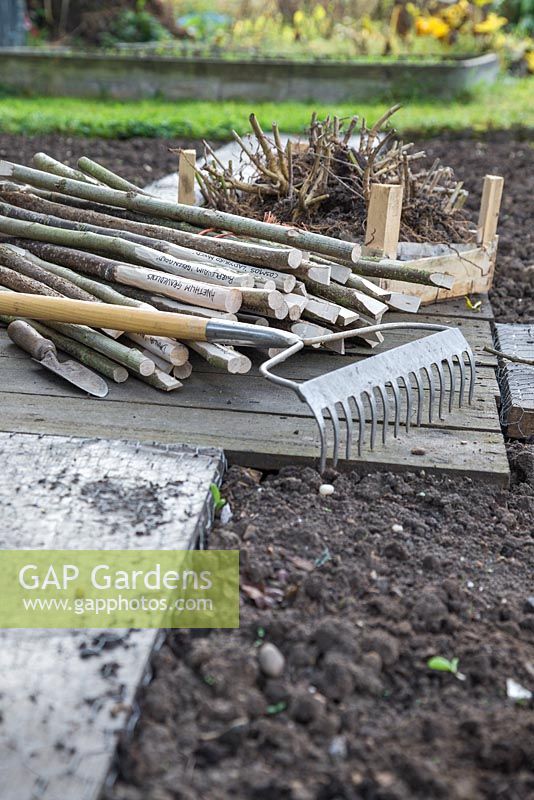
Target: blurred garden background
<point>327,31</point>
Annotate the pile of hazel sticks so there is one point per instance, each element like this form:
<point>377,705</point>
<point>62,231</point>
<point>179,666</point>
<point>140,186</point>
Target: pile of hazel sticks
<point>90,235</point>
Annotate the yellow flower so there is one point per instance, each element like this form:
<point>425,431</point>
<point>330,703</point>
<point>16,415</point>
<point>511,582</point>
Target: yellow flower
<point>491,24</point>
<point>298,17</point>
<point>454,15</point>
<point>529,58</point>
<point>431,26</point>
<point>319,13</point>
<point>483,2</point>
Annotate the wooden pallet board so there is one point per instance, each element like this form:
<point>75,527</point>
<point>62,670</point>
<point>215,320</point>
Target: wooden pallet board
<point>257,423</point>
<point>61,714</point>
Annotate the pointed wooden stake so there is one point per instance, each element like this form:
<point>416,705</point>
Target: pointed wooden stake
<point>383,220</point>
<point>489,209</point>
<point>186,177</point>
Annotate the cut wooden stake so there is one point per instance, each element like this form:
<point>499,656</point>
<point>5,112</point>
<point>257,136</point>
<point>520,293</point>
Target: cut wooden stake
<point>172,351</point>
<point>346,317</point>
<point>296,304</point>
<point>183,371</point>
<point>222,357</point>
<point>309,330</point>
<point>161,364</point>
<point>160,380</point>
<point>489,209</point>
<point>383,220</point>
<point>186,176</point>
<point>322,310</point>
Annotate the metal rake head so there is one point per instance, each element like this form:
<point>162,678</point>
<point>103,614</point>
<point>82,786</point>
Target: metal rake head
<point>389,385</point>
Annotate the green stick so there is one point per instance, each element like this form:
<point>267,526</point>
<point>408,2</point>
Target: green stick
<point>103,175</point>
<point>206,218</point>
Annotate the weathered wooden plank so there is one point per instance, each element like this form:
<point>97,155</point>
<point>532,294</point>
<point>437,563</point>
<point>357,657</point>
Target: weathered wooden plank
<point>61,714</point>
<point>459,308</point>
<point>269,441</point>
<point>250,393</point>
<point>517,380</point>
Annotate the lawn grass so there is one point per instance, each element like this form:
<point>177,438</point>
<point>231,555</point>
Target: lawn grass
<point>509,104</point>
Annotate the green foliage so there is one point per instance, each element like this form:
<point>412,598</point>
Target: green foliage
<point>441,664</point>
<point>506,105</point>
<point>520,13</point>
<point>132,26</point>
<point>218,499</point>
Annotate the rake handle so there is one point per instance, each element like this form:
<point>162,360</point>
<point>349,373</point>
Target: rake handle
<point>103,315</point>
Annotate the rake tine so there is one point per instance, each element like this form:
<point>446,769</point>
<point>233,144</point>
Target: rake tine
<point>396,397</point>
<point>337,434</point>
<point>429,375</point>
<point>472,372</point>
<point>441,377</point>
<point>322,433</point>
<point>348,416</point>
<point>452,376</point>
<point>420,396</point>
<point>374,415</point>
<point>461,366</point>
<point>361,423</point>
<point>385,407</point>
<point>408,387</point>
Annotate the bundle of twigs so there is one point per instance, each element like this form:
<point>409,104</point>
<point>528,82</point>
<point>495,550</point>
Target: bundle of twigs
<point>324,182</point>
<point>88,234</point>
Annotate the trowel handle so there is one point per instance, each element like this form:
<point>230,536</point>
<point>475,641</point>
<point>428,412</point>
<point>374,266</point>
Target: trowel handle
<point>27,338</point>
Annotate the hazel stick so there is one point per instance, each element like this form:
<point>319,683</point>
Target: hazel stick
<point>95,288</point>
<point>19,263</point>
<point>225,248</point>
<point>106,176</point>
<point>202,217</point>
<point>183,261</point>
<point>349,298</point>
<point>251,255</point>
<point>49,164</point>
<point>160,380</point>
<point>222,357</point>
<point>169,349</point>
<point>183,371</point>
<point>112,245</point>
<point>194,292</point>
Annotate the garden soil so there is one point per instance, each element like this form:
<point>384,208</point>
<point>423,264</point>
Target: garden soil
<point>357,590</point>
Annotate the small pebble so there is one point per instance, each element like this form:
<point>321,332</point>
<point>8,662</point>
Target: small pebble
<point>271,660</point>
<point>418,451</point>
<point>338,747</point>
<point>396,528</point>
<point>326,489</point>
<point>528,607</point>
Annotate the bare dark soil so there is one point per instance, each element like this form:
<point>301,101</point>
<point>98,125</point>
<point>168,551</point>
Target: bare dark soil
<point>358,590</point>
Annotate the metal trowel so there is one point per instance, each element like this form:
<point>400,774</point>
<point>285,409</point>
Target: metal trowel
<point>44,352</point>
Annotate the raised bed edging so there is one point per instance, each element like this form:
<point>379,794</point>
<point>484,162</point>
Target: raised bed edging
<point>127,77</point>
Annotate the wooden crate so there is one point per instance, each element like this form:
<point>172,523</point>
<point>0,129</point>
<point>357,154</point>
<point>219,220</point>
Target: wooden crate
<point>473,265</point>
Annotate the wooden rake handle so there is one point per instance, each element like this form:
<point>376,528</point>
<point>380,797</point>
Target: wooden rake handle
<point>103,315</point>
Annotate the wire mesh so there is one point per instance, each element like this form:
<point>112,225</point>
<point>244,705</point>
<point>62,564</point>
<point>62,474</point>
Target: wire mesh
<point>516,380</point>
